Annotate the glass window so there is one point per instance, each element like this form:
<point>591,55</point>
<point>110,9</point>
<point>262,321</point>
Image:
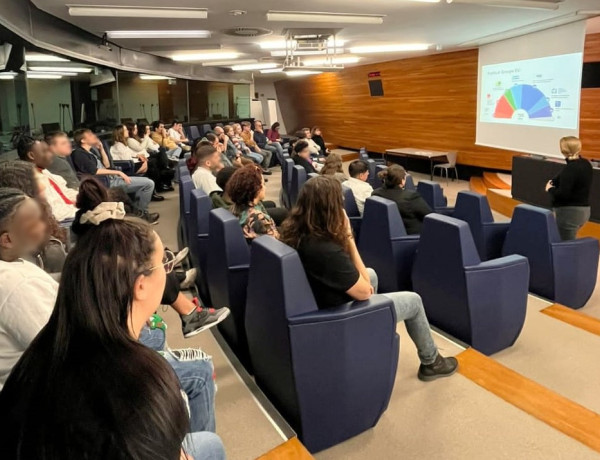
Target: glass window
<point>173,100</point>
<point>241,101</point>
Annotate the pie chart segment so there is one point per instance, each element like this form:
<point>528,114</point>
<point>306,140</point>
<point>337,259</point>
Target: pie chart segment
<point>525,98</point>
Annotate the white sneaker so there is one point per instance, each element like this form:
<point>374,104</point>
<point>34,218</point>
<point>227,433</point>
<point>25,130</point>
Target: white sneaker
<point>190,279</point>
<point>180,256</point>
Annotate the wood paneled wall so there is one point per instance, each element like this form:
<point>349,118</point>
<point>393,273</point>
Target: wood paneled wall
<point>430,102</point>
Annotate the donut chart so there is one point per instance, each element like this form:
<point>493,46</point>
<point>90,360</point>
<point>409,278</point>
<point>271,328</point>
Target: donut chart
<point>525,98</point>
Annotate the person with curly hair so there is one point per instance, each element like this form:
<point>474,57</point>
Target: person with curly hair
<point>333,167</point>
<point>320,231</point>
<point>246,190</point>
<point>22,175</point>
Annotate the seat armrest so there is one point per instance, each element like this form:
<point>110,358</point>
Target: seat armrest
<point>239,268</point>
<point>406,238</point>
<point>495,264</point>
<point>345,311</point>
<point>126,166</point>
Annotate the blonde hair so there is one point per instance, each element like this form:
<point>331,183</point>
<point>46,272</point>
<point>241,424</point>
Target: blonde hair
<point>570,146</point>
<point>333,164</point>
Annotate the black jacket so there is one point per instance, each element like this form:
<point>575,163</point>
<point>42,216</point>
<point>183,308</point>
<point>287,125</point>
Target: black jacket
<point>573,185</point>
<point>307,165</point>
<point>413,208</point>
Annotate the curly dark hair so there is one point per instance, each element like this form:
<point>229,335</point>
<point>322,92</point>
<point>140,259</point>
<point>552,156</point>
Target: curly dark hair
<point>21,175</point>
<point>243,187</point>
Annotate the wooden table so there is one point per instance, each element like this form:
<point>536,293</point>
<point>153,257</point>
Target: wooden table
<point>418,153</point>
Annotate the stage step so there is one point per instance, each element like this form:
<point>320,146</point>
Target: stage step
<point>492,180</point>
<point>476,184</point>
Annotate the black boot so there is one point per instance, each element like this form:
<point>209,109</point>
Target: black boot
<point>441,367</point>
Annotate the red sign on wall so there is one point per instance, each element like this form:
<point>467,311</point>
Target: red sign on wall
<point>374,74</point>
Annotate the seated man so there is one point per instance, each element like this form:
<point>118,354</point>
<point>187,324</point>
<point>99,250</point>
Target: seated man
<point>264,143</point>
<point>216,143</point>
<point>361,189</point>
<point>248,139</point>
<point>161,137</point>
<point>208,163</point>
<point>176,133</point>
<point>60,197</point>
<point>91,159</point>
<point>236,137</point>
<point>61,147</point>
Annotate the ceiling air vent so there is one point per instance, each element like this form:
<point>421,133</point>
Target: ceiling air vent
<point>247,32</point>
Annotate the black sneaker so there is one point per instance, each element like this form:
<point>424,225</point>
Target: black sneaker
<point>266,172</point>
<point>202,319</point>
<point>441,367</point>
<point>151,217</point>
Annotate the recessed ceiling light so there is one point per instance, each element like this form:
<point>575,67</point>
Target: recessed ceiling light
<point>60,69</point>
<point>390,48</point>
<point>215,55</point>
<point>39,57</point>
<point>117,34</point>
<point>43,76</point>
<point>334,60</point>
<point>237,12</point>
<point>154,77</point>
<point>228,63</point>
<point>305,16</point>
<point>64,74</point>
<point>283,53</point>
<point>300,73</point>
<point>278,70</point>
<point>525,4</point>
<point>138,12</point>
<point>7,75</point>
<point>258,66</point>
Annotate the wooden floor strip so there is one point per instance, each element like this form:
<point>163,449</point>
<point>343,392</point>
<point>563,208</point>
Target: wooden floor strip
<point>551,408</point>
<point>573,317</point>
<point>292,449</point>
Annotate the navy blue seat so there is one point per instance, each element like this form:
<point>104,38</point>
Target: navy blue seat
<point>194,132</point>
<point>298,180</point>
<point>480,303</point>
<point>364,155</point>
<point>329,372</point>
<point>433,194</point>
<point>286,181</point>
<point>562,271</point>
<point>409,183</point>
<point>352,210</point>
<point>488,235</point>
<point>200,207</point>
<point>126,166</point>
<point>186,185</point>
<point>384,245</point>
<point>206,128</point>
<point>373,179</point>
<point>228,262</point>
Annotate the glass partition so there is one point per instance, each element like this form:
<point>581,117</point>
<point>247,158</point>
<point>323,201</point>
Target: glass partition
<point>14,113</point>
<point>173,100</point>
<point>138,98</point>
<point>241,101</point>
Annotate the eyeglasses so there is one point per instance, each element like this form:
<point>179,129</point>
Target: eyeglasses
<point>168,262</point>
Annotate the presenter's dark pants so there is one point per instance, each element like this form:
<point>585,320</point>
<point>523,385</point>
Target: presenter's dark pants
<point>570,219</point>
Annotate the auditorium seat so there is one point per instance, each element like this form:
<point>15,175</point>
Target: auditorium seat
<point>206,128</point>
<point>286,181</point>
<point>186,185</point>
<point>409,184</point>
<point>126,166</point>
<point>329,372</point>
<point>364,155</point>
<point>298,180</point>
<point>352,210</point>
<point>480,303</point>
<point>562,271</point>
<point>228,262</point>
<point>373,179</point>
<point>194,132</point>
<point>433,194</point>
<point>200,207</point>
<point>384,245</point>
<point>488,235</point>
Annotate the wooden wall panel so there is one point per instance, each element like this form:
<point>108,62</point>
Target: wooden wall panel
<point>430,102</point>
<point>591,51</point>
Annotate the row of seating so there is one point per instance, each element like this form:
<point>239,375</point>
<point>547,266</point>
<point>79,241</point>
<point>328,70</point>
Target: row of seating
<point>280,335</point>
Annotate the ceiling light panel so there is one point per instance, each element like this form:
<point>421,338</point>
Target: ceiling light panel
<point>389,48</point>
<point>123,34</point>
<point>60,69</point>
<point>39,57</point>
<point>334,60</point>
<point>282,44</point>
<point>229,62</point>
<point>258,66</point>
<point>42,76</point>
<point>300,73</point>
<point>137,12</point>
<point>216,55</point>
<point>340,18</point>
<point>283,53</point>
<point>154,77</point>
<point>278,70</point>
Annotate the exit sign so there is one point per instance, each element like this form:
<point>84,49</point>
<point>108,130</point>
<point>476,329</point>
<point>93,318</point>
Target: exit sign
<point>374,74</point>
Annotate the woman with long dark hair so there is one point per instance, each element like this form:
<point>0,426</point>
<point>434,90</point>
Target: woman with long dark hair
<point>86,388</point>
<point>22,175</point>
<point>320,231</point>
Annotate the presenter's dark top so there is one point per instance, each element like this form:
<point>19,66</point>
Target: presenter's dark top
<point>329,270</point>
<point>573,185</point>
<point>413,208</point>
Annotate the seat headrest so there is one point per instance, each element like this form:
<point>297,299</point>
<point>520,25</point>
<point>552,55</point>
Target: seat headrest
<point>536,219</point>
<point>446,237</point>
<point>473,205</point>
<point>381,211</point>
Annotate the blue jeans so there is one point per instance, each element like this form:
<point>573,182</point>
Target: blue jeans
<point>195,370</point>
<point>142,187</point>
<point>277,149</point>
<point>409,308</point>
<point>174,154</point>
<point>256,157</point>
<point>204,446</point>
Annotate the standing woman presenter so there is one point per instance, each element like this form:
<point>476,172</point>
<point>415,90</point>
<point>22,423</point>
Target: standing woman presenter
<point>570,190</point>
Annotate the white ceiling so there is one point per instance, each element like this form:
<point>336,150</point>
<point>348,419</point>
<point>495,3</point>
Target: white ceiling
<point>439,24</point>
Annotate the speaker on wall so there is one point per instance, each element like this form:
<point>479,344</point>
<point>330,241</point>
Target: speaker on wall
<point>590,77</point>
<point>376,88</point>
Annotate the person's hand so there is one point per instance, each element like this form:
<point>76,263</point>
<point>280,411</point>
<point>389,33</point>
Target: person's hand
<point>143,169</point>
<point>142,158</point>
<point>125,177</point>
<point>549,185</point>
<point>237,161</point>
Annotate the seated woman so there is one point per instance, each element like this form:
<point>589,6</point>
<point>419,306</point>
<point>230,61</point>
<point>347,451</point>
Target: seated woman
<point>319,230</point>
<point>317,137</point>
<point>273,133</point>
<point>413,208</point>
<point>139,141</point>
<point>50,255</point>
<point>301,156</point>
<point>334,167</point>
<point>85,387</point>
<point>120,151</point>
<point>246,190</point>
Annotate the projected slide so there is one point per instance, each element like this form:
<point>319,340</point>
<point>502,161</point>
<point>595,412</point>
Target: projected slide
<point>533,92</point>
